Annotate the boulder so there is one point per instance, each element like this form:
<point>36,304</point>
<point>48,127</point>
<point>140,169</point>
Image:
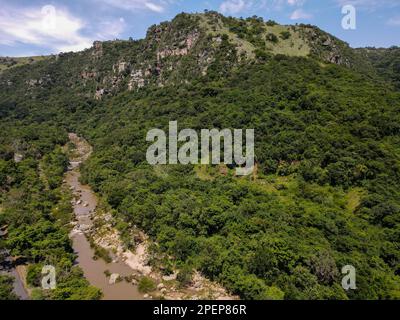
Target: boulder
<point>171,277</point>
<point>84,227</point>
<point>113,278</point>
<point>160,286</point>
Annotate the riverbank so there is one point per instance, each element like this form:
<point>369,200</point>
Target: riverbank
<point>18,274</point>
<point>84,205</point>
<point>167,287</point>
<point>21,287</point>
<point>106,262</point>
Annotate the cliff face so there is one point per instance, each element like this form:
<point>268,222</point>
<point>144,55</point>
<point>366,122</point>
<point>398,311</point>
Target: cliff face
<point>189,47</point>
<point>325,189</point>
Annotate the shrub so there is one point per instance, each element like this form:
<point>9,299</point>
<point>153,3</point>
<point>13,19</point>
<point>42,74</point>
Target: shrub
<point>285,35</point>
<point>272,38</point>
<point>34,275</point>
<point>184,276</point>
<point>271,23</point>
<point>146,285</point>
<point>6,288</point>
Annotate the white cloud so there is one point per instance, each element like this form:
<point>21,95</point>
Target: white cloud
<point>370,5</point>
<point>281,4</point>
<point>136,5</point>
<point>238,6</point>
<point>154,7</point>
<point>52,28</point>
<point>295,2</point>
<point>300,14</point>
<point>234,6</point>
<point>110,29</point>
<point>57,29</point>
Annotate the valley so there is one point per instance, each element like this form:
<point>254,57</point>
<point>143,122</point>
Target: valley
<point>118,271</point>
<point>324,192</point>
<point>84,204</point>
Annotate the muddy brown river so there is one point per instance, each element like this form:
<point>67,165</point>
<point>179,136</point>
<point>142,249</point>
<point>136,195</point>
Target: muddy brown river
<point>94,269</point>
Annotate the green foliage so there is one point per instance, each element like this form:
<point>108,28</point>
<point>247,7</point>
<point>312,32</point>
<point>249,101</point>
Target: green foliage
<point>250,29</point>
<point>285,35</point>
<point>386,61</point>
<point>271,23</point>
<point>36,210</point>
<point>184,276</point>
<point>146,284</point>
<point>272,38</point>
<point>256,238</point>
<point>54,165</point>
<point>6,288</point>
<point>34,275</point>
<point>100,252</point>
<point>262,55</point>
<point>322,131</point>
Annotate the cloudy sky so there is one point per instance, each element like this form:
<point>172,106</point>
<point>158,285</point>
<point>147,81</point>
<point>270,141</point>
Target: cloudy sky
<point>36,27</point>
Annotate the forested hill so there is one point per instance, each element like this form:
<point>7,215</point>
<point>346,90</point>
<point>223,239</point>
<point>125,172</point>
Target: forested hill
<point>386,62</point>
<point>190,46</point>
<point>327,125</point>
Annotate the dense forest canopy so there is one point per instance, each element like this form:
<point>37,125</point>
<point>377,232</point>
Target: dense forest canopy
<point>325,193</point>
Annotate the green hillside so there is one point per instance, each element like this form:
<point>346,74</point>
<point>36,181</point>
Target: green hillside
<point>327,130</point>
<point>7,62</point>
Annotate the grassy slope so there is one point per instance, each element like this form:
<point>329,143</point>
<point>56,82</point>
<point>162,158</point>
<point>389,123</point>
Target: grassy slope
<point>21,62</point>
<point>294,46</point>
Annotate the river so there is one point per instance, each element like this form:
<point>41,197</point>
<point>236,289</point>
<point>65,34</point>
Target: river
<point>84,206</point>
<point>16,272</point>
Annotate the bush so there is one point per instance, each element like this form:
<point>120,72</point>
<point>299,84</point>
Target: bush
<point>285,35</point>
<point>274,293</point>
<point>34,275</point>
<point>6,288</point>
<point>37,294</point>
<point>271,23</point>
<point>100,252</point>
<point>261,55</point>
<point>146,285</point>
<point>272,38</point>
<point>184,276</point>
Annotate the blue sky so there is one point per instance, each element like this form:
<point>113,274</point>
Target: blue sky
<point>38,27</point>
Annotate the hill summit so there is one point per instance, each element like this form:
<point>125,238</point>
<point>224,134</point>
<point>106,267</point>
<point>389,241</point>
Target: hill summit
<point>190,46</point>
<point>324,193</point>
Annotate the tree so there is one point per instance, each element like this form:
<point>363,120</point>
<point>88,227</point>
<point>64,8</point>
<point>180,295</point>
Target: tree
<point>6,288</point>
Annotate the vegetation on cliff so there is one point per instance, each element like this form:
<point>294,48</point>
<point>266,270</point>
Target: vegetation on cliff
<point>327,126</point>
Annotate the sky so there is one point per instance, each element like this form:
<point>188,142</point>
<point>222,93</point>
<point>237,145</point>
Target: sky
<point>41,27</point>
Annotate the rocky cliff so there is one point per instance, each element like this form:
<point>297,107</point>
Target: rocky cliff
<point>189,47</point>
